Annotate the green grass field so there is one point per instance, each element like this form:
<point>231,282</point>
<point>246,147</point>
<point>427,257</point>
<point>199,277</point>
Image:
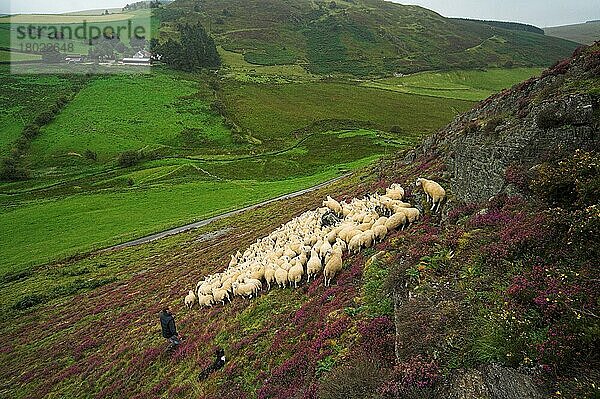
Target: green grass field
<point>20,99</point>
<point>43,230</point>
<point>472,85</point>
<point>273,112</point>
<point>97,212</point>
<point>304,132</point>
<point>74,42</point>
<point>117,113</point>
<point>6,56</point>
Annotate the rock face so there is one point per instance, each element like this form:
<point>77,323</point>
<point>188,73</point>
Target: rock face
<point>524,126</point>
<point>489,382</point>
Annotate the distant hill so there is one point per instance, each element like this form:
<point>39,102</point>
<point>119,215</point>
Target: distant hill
<point>586,33</point>
<point>508,25</point>
<point>363,37</point>
<point>99,11</point>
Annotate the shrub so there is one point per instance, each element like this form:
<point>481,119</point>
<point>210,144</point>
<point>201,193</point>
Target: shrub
<point>517,175</point>
<point>377,302</point>
<point>378,339</point>
<point>559,68</point>
<point>29,301</point>
<point>359,378</point>
<point>45,117</point>
<point>493,123</point>
<point>31,131</point>
<point>129,158</point>
<point>571,183</point>
<point>471,127</point>
<point>10,170</point>
<point>91,155</point>
<point>585,230</point>
<point>396,129</point>
<point>17,276</point>
<point>413,378</point>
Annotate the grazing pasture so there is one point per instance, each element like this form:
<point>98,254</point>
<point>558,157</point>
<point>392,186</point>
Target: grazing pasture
<point>276,113</point>
<point>71,18</point>
<point>116,113</point>
<point>24,97</point>
<point>40,231</point>
<point>201,138</point>
<point>471,85</point>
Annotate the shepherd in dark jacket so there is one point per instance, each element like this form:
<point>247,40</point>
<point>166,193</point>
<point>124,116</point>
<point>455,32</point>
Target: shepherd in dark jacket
<point>169,331</point>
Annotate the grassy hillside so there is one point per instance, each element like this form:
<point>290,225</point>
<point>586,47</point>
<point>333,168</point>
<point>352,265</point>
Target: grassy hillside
<point>274,127</point>
<point>510,281</point>
<point>297,105</point>
<point>366,37</point>
<point>144,111</point>
<point>473,85</point>
<point>474,280</point>
<point>586,33</point>
<point>20,99</point>
<point>41,231</point>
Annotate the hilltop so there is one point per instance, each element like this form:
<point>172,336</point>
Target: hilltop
<point>361,37</point>
<point>586,33</point>
<point>498,293</point>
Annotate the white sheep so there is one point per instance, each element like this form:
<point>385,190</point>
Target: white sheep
<point>190,299</point>
<point>332,267</point>
<point>269,275</point>
<point>281,277</point>
<point>367,238</point>
<point>205,300</point>
<point>314,266</point>
<point>395,192</point>
<point>333,205</point>
<point>395,221</point>
<point>354,244</point>
<point>219,295</point>
<point>302,246</point>
<point>433,191</point>
<point>380,231</point>
<point>412,214</point>
<point>243,290</point>
<point>295,274</point>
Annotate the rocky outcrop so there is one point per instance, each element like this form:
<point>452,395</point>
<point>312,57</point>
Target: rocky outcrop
<point>489,382</point>
<point>537,120</point>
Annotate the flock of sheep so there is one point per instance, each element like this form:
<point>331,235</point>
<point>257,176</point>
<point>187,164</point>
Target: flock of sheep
<point>312,243</point>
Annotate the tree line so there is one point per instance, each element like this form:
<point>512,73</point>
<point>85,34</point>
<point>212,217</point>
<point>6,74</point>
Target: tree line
<point>195,50</point>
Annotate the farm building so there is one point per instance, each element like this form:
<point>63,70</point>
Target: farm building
<point>141,58</point>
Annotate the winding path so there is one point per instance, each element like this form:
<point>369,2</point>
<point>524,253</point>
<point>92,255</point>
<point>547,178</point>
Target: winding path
<point>208,221</point>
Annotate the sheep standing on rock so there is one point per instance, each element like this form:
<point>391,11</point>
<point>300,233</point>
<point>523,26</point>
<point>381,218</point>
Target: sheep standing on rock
<point>434,191</point>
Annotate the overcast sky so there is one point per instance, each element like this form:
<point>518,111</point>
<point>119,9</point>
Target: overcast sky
<point>537,12</point>
<point>57,6</point>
